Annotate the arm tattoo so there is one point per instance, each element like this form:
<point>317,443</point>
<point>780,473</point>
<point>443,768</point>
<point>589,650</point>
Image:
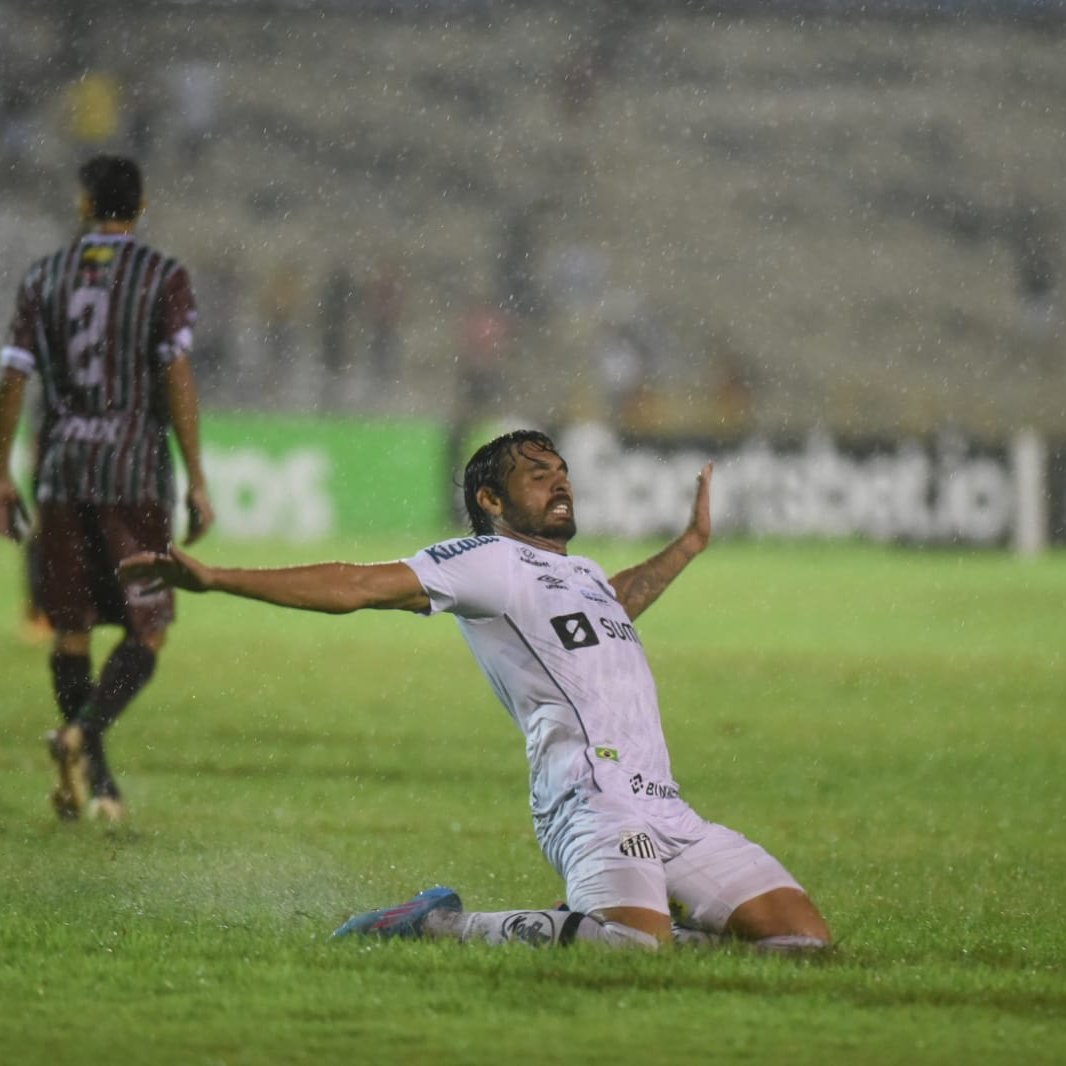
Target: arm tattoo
<point>640,586</point>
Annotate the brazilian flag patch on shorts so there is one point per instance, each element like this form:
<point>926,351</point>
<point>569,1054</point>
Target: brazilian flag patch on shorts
<point>607,753</point>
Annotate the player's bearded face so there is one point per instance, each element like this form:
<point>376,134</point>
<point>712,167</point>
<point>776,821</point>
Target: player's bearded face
<point>538,500</point>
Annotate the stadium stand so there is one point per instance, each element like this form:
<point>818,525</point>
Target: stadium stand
<point>733,222</point>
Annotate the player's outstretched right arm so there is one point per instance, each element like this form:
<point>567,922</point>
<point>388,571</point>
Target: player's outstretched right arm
<point>331,588</point>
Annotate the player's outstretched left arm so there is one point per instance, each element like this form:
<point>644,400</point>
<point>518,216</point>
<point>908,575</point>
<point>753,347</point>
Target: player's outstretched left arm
<point>331,588</point>
<point>640,586</point>
<point>12,388</point>
<point>14,518</point>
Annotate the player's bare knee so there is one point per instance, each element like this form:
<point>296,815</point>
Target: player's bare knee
<point>66,642</point>
<point>617,935</point>
<point>643,920</point>
<point>783,912</point>
<point>793,945</point>
<point>153,641</point>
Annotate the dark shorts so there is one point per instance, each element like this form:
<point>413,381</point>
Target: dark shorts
<point>81,545</point>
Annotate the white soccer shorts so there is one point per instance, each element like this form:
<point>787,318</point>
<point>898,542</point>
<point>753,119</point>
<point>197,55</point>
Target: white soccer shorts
<point>659,855</point>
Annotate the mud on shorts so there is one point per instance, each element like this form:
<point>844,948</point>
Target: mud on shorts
<point>81,545</point>
<point>661,856</point>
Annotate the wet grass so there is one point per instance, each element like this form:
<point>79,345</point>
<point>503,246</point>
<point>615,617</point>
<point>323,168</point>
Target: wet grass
<point>890,723</point>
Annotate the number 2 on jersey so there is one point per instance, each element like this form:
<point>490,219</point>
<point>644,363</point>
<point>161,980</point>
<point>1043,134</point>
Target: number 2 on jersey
<point>87,313</point>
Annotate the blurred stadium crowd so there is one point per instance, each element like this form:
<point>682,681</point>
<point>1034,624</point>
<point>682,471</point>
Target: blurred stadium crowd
<point>680,221</point>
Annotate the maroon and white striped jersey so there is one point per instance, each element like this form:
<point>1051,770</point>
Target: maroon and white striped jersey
<point>98,320</point>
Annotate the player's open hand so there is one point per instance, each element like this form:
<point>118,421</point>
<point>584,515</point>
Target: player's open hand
<point>161,569</point>
<point>201,513</point>
<point>699,526</point>
<point>14,518</point>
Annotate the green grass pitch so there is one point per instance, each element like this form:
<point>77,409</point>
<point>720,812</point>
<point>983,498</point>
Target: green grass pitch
<point>891,724</point>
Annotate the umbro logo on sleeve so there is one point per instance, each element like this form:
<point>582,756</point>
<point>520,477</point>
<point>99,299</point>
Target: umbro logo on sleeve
<point>574,631</point>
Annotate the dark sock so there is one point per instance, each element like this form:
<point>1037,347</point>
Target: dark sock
<point>71,682</point>
<point>125,673</point>
<point>100,780</point>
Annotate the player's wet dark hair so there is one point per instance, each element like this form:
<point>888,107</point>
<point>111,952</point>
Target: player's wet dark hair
<point>114,186</point>
<point>489,467</point>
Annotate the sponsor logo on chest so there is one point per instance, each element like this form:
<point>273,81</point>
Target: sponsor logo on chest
<point>577,630</point>
<point>556,584</point>
<point>530,558</point>
<point>643,787</point>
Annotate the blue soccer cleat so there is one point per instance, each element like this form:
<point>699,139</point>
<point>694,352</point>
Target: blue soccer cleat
<point>405,920</point>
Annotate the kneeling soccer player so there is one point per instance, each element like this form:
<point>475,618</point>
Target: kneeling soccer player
<point>555,638</point>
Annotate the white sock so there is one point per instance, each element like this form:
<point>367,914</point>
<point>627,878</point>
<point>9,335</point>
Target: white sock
<point>785,945</point>
<point>772,945</point>
<point>696,937</point>
<point>536,928</point>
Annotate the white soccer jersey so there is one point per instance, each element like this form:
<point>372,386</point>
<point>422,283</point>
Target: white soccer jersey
<point>564,659</point>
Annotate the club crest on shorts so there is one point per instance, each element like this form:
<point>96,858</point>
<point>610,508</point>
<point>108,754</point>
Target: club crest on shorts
<point>636,844</point>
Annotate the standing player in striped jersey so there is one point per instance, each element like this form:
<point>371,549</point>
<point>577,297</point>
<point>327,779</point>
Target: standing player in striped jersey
<point>106,323</point>
<point>554,636</point>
